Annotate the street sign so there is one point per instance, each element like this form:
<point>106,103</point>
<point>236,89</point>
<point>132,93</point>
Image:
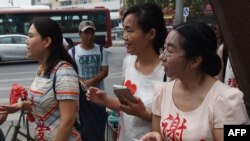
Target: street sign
<point>185,11</point>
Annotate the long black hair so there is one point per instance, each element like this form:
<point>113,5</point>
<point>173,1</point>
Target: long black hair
<point>47,27</point>
<point>149,16</point>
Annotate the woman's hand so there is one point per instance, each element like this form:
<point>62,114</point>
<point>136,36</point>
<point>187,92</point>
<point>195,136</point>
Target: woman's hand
<point>10,108</point>
<point>3,116</point>
<point>152,136</point>
<point>96,95</point>
<point>136,108</point>
<point>21,105</point>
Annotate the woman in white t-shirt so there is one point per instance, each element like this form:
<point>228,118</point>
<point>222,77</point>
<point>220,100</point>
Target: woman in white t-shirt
<point>195,106</point>
<point>144,35</point>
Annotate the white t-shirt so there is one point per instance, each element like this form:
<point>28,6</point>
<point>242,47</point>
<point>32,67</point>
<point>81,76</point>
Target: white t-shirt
<point>131,127</point>
<point>90,61</point>
<point>222,105</point>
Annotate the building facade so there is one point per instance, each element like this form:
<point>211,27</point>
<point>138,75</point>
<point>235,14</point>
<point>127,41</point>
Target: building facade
<point>54,4</point>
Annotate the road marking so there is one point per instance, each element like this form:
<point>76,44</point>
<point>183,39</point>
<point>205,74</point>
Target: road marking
<point>16,80</point>
<point>9,88</point>
<point>17,73</point>
<point>112,74</point>
<point>111,77</point>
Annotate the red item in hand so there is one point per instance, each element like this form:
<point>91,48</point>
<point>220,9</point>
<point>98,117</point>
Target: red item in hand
<point>30,117</point>
<point>17,91</point>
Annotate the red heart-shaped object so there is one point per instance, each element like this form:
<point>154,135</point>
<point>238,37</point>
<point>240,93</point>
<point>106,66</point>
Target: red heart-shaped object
<point>132,87</point>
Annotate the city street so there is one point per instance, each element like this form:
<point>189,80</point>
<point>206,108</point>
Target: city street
<point>23,73</point>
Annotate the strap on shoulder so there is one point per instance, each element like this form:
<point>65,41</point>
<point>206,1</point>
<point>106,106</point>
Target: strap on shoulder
<point>54,77</point>
<point>73,51</point>
<point>77,124</point>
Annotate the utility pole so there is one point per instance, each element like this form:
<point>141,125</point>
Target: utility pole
<point>179,11</point>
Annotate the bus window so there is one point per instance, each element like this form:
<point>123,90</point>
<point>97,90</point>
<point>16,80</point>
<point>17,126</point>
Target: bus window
<point>84,17</point>
<point>56,18</point>
<point>18,22</point>
<point>75,18</point>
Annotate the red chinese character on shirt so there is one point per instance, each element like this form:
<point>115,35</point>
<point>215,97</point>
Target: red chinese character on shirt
<point>40,129</point>
<point>233,83</point>
<point>173,127</point>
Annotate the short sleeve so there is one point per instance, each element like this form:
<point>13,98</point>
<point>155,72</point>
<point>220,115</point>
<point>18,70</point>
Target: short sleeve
<point>67,84</point>
<point>124,66</point>
<point>229,108</point>
<point>157,98</point>
<point>104,57</point>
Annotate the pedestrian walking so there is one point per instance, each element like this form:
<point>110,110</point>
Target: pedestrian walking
<point>55,113</point>
<point>144,35</point>
<point>92,62</point>
<point>195,106</point>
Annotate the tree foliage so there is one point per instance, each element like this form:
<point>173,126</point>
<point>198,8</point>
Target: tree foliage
<point>196,6</point>
<point>129,3</point>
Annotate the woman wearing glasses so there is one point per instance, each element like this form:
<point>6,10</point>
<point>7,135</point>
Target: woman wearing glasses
<point>195,106</point>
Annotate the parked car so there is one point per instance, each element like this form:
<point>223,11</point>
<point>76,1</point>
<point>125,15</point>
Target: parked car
<point>13,48</point>
<point>117,32</point>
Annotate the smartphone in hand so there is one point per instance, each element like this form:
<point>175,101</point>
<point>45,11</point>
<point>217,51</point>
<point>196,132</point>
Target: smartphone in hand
<point>122,92</point>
